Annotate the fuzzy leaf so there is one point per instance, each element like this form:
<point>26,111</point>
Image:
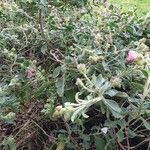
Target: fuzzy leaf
<point>60,86</point>
<point>120,135</point>
<point>99,143</point>
<point>44,49</point>
<point>146,124</point>
<point>113,107</point>
<point>56,72</point>
<point>10,143</point>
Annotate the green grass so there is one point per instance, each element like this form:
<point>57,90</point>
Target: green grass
<point>143,6</point>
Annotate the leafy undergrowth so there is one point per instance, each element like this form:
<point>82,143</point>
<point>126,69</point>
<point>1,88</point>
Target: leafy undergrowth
<point>74,75</point>
<point>141,5</point>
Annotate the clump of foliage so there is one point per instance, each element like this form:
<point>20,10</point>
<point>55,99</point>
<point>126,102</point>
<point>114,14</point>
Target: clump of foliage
<point>74,75</point>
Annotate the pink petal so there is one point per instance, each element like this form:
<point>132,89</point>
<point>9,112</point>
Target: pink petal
<point>132,56</point>
<point>31,73</point>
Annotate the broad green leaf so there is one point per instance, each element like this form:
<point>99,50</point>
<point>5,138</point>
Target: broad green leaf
<point>56,72</point>
<point>116,114</point>
<point>94,79</point>
<point>70,95</point>
<point>10,143</point>
<point>112,92</point>
<point>44,49</point>
<point>86,141</point>
<point>146,124</point>
<point>105,66</point>
<point>44,2</point>
<point>131,133</point>
<point>76,113</point>
<point>137,86</point>
<point>122,94</point>
<point>99,81</point>
<point>120,135</point>
<point>113,107</point>
<point>101,84</point>
<point>146,73</point>
<point>115,124</point>
<point>9,118</point>
<point>110,124</point>
<point>100,143</point>
<point>132,99</point>
<point>41,89</point>
<point>60,86</point>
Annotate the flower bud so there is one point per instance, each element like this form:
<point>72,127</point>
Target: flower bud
<point>98,37</point>
<point>143,40</point>
<point>79,82</point>
<point>116,81</point>
<point>144,47</point>
<point>81,68</point>
<point>58,112</point>
<point>95,59</point>
<point>61,145</point>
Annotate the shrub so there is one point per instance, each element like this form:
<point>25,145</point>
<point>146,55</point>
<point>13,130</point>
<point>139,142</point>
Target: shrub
<point>78,62</point>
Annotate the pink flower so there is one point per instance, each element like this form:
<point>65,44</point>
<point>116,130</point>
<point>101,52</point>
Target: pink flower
<point>31,73</point>
<point>132,56</point>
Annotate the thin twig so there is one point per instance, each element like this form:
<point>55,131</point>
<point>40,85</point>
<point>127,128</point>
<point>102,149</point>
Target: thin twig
<point>43,130</point>
<point>121,146</point>
<point>140,144</point>
<point>127,139</point>
<point>22,127</point>
<point>148,146</point>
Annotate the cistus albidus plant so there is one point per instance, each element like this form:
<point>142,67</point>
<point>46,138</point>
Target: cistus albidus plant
<point>74,75</point>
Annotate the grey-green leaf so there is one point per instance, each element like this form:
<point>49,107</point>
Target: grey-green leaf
<point>99,143</point>
<point>10,143</point>
<point>44,48</point>
<point>146,124</point>
<point>56,72</point>
<point>60,86</point>
<point>113,107</point>
<point>120,135</point>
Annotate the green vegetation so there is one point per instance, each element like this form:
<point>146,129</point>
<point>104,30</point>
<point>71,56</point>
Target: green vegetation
<point>143,6</point>
<point>74,75</point>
